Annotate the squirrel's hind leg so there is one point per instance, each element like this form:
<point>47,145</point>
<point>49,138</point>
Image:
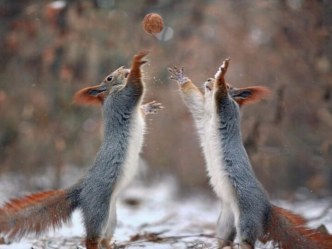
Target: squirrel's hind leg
<point>110,227</point>
<point>95,219</point>
<point>225,226</point>
<point>248,230</point>
<point>92,243</point>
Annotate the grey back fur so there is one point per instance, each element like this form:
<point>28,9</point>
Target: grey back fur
<point>253,201</point>
<point>98,185</point>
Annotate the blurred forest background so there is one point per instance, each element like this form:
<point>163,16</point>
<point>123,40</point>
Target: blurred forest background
<point>50,49</point>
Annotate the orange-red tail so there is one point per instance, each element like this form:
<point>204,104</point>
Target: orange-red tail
<point>288,231</point>
<point>35,213</point>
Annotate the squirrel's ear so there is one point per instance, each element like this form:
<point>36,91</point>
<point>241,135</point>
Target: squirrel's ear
<point>93,95</point>
<point>249,95</point>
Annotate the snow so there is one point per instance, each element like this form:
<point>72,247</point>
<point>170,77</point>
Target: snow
<point>155,212</point>
<point>18,245</point>
<point>311,210</point>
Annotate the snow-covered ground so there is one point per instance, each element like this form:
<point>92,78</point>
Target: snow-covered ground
<point>153,217</point>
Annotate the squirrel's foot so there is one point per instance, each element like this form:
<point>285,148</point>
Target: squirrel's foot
<point>245,245</point>
<point>177,74</point>
<point>92,243</point>
<point>224,244</point>
<point>106,244</point>
<point>152,107</point>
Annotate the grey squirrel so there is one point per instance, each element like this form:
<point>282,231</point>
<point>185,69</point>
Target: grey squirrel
<point>120,95</point>
<point>247,214</point>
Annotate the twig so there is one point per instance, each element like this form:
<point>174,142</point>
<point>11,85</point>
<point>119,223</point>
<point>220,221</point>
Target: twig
<point>157,239</point>
<point>154,238</point>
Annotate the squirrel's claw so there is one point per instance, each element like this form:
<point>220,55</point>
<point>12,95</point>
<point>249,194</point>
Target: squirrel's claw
<point>138,59</point>
<point>224,65</point>
<point>152,107</point>
<point>178,75</point>
<point>140,55</point>
<point>220,75</point>
<point>223,68</point>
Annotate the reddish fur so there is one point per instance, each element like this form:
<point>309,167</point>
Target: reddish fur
<point>220,82</point>
<point>189,86</point>
<point>105,243</point>
<point>257,93</point>
<point>37,212</point>
<point>92,243</point>
<point>34,213</point>
<point>15,204</point>
<point>288,231</point>
<point>84,98</point>
<point>135,74</point>
<point>292,217</point>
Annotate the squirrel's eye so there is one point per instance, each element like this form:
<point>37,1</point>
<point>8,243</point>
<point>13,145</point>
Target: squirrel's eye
<point>109,78</point>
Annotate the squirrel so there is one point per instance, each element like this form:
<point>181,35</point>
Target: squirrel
<point>247,214</point>
<point>120,95</point>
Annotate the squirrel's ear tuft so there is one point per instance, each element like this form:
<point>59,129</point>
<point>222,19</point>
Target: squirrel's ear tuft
<point>250,95</point>
<point>93,95</point>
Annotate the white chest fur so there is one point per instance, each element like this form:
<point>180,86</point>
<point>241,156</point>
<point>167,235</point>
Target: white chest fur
<point>135,144</point>
<point>214,154</point>
<point>129,168</point>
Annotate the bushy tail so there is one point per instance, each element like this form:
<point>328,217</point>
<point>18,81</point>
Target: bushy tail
<point>37,212</point>
<point>288,231</point>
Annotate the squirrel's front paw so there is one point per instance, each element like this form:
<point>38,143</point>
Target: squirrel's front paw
<point>177,74</point>
<point>152,107</point>
<point>139,60</point>
<point>222,69</point>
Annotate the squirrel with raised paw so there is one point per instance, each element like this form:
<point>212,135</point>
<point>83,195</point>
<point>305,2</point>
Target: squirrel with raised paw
<point>120,95</point>
<point>247,214</point>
